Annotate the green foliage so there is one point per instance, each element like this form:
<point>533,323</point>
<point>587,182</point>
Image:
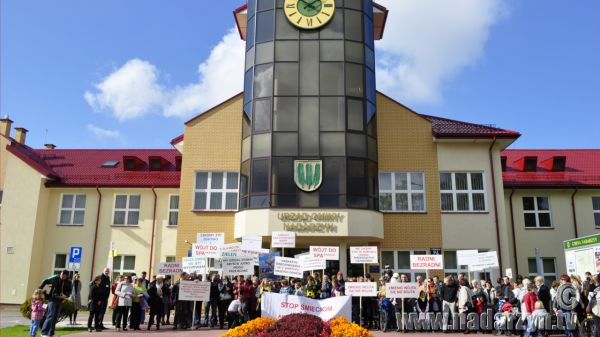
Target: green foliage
<point>67,307</point>
<point>23,330</point>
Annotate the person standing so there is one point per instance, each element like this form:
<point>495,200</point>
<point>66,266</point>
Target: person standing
<point>211,306</point>
<point>75,298</point>
<point>225,298</point>
<point>37,311</point>
<point>448,294</point>
<point>155,292</point>
<point>166,318</point>
<point>543,292</point>
<point>105,285</point>
<point>183,309</point>
<point>95,304</point>
<point>114,304</point>
<point>60,289</point>
<point>136,304</point>
<point>124,292</point>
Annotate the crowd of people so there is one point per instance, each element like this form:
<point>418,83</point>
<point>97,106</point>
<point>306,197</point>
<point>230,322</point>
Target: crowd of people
<point>235,300</point>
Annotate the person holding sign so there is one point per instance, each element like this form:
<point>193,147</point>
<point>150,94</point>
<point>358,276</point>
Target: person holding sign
<point>155,292</point>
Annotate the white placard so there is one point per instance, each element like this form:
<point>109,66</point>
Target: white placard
<point>357,289</point>
<point>251,242</point>
<point>254,252</point>
<point>330,253</point>
<point>310,263</point>
<point>466,257</point>
<point>217,239</point>
<point>283,240</point>
<point>425,262</point>
<point>169,268</point>
<point>205,250</point>
<point>233,266</point>
<point>485,260</point>
<point>288,267</point>
<point>231,250</point>
<point>278,305</point>
<point>363,254</point>
<point>194,291</point>
<point>509,273</point>
<point>194,265</point>
<point>402,290</point>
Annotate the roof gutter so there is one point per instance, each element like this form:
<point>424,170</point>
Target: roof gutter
<point>512,226</point>
<point>574,214</point>
<point>96,232</point>
<point>153,232</point>
<point>495,203</point>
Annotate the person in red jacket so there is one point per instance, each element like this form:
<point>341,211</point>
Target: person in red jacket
<point>529,300</point>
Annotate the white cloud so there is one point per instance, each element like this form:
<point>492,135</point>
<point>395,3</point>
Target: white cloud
<point>133,90</point>
<point>129,92</point>
<point>103,133</point>
<point>428,42</point>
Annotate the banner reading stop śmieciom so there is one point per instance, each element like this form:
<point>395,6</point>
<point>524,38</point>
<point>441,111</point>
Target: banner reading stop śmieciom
<point>278,305</point>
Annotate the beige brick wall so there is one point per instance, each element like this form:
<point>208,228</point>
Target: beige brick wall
<point>405,143</point>
<point>212,143</point>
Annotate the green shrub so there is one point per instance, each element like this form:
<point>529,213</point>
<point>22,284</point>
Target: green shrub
<point>67,307</point>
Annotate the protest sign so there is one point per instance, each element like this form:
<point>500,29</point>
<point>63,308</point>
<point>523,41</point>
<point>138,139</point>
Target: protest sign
<point>363,254</point>
<point>216,239</point>
<point>310,263</point>
<point>194,291</point>
<point>233,266</point>
<point>358,289</point>
<point>402,290</point>
<point>278,305</point>
<point>194,265</point>
<point>485,260</point>
<point>426,262</point>
<point>251,242</point>
<point>205,250</point>
<point>466,257</point>
<point>169,268</point>
<point>285,266</point>
<point>330,253</point>
<point>231,250</point>
<point>283,240</point>
<point>266,265</point>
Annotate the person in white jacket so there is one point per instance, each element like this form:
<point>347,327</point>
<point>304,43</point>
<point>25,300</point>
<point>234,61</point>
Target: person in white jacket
<point>124,292</point>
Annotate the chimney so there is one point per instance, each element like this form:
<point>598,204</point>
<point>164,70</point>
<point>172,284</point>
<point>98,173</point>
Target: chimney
<point>20,134</point>
<point>50,146</point>
<point>5,125</point>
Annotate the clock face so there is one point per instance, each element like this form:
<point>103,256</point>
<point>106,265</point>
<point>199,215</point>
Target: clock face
<point>309,14</point>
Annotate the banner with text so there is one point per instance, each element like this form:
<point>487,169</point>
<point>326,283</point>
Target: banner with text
<point>285,266</point>
<point>283,240</point>
<point>358,289</point>
<point>279,305</point>
<point>205,250</point>
<point>330,253</point>
<point>485,260</point>
<point>402,290</point>
<point>216,239</point>
<point>194,291</point>
<point>234,266</point>
<point>231,250</point>
<point>252,242</point>
<point>169,268</point>
<point>426,262</point>
<point>194,265</point>
<point>466,257</point>
<point>363,254</point>
<point>310,263</point>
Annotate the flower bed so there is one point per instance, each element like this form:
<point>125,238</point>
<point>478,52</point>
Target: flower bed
<point>298,325</point>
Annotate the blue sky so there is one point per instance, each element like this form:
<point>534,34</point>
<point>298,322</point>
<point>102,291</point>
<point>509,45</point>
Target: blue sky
<point>127,74</point>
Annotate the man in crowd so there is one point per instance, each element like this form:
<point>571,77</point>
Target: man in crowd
<point>213,302</point>
<point>543,293</point>
<point>449,296</point>
<point>60,289</point>
<point>105,286</point>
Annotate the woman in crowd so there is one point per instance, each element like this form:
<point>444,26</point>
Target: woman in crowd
<point>137,303</point>
<point>312,291</point>
<point>96,297</point>
<point>253,310</point>
<point>124,292</point>
<point>326,288</point>
<point>155,300</point>
<point>167,303</point>
<point>226,296</point>
<point>115,299</point>
<point>75,298</point>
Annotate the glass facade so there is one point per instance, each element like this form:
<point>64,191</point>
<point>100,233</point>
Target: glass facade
<point>309,95</point>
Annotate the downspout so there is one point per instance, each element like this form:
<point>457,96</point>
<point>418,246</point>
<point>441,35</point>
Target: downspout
<point>512,226</point>
<point>96,232</point>
<point>574,214</point>
<point>153,230</point>
<point>495,205</point>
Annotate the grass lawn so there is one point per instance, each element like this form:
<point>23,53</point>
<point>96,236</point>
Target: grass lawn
<point>23,330</point>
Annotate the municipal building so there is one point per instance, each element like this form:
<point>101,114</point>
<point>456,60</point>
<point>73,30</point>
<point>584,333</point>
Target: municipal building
<point>309,146</point>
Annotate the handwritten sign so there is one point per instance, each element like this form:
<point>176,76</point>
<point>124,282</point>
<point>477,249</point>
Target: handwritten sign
<point>194,291</point>
<point>193,265</point>
<point>234,266</point>
<point>231,250</point>
<point>310,263</point>
<point>363,254</point>
<point>251,242</point>
<point>217,239</point>
<point>169,268</point>
<point>357,289</point>
<point>485,260</point>
<point>285,266</point>
<point>402,290</point>
<point>205,250</point>
<point>283,240</point>
<point>330,253</point>
<point>426,262</point>
<point>466,257</point>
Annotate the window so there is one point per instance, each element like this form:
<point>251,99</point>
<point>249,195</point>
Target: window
<point>595,203</point>
<point>401,192</point>
<point>462,192</point>
<point>399,261</point>
<point>155,164</point>
<point>216,191</point>
<point>559,163</point>
<point>129,164</point>
<point>548,271</point>
<point>60,263</point>
<point>170,259</point>
<point>503,163</point>
<point>530,164</point>
<point>72,209</point>
<point>123,265</point>
<point>110,163</point>
<point>451,264</point>
<point>173,210</point>
<point>127,209</point>
<point>536,211</point>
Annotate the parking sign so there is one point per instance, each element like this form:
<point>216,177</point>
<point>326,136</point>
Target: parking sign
<point>75,258</point>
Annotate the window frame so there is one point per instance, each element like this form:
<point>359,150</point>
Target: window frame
<point>55,270</point>
<point>537,212</point>
<point>409,192</point>
<point>126,210</point>
<point>208,190</point>
<point>411,273</point>
<point>470,191</point>
<point>595,211</point>
<point>543,273</point>
<point>72,210</point>
<point>120,269</point>
<point>172,210</point>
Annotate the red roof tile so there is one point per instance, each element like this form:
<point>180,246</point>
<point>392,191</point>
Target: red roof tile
<point>450,128</point>
<point>582,169</point>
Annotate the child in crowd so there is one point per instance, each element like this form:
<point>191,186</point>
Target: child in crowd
<point>234,313</point>
<point>300,289</point>
<point>37,311</point>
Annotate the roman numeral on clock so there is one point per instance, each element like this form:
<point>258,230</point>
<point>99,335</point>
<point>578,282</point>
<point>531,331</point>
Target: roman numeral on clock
<point>309,22</point>
<point>290,6</point>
